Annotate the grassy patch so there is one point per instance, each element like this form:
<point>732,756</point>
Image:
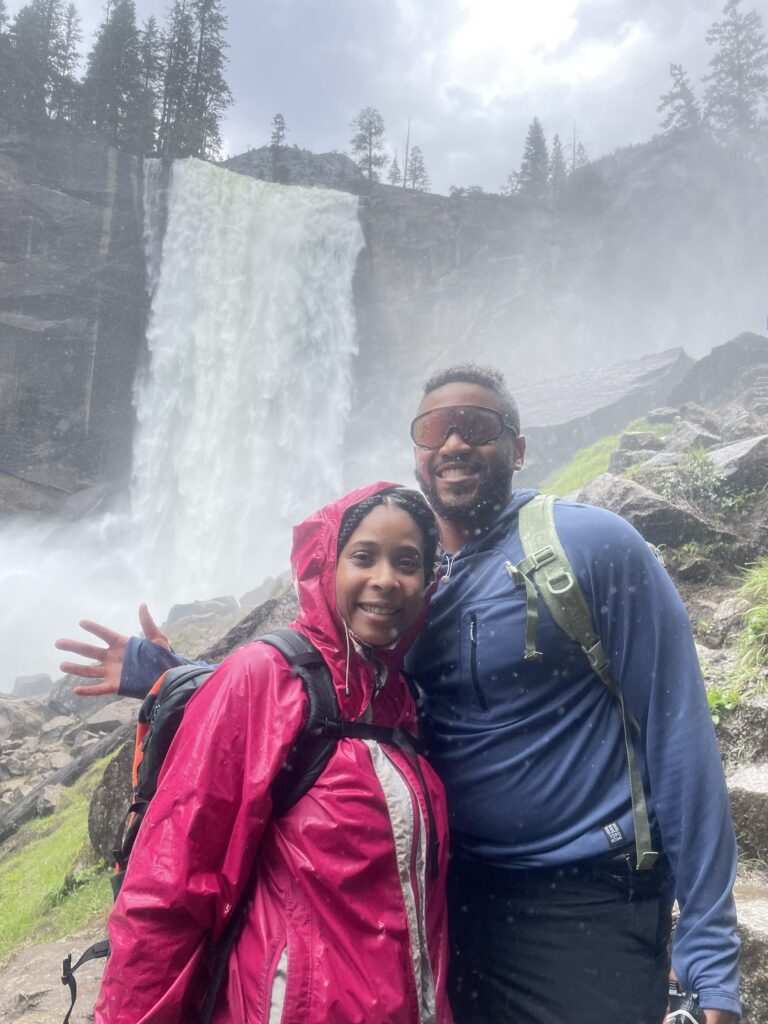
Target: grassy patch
<point>722,700</point>
<point>752,645</point>
<point>49,884</point>
<point>590,462</point>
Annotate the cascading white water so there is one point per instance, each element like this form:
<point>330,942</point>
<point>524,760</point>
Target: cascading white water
<point>241,414</point>
<point>241,407</point>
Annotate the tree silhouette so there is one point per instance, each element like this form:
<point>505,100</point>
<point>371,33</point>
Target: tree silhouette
<point>679,105</point>
<point>368,142</point>
<point>532,180</point>
<point>738,80</point>
<point>417,178</point>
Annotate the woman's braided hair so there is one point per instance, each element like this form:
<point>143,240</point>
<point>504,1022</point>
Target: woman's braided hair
<point>409,501</point>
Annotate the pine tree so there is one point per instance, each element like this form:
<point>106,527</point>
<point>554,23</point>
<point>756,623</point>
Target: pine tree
<point>151,70</point>
<point>178,58</point>
<point>195,93</point>
<point>557,170</point>
<point>738,81</point>
<point>579,158</point>
<point>368,142</point>
<point>679,105</point>
<point>210,95</point>
<point>65,93</point>
<point>114,98</point>
<point>417,177</point>
<point>394,174</point>
<point>532,180</point>
<point>7,66</point>
<point>36,38</point>
<point>277,150</point>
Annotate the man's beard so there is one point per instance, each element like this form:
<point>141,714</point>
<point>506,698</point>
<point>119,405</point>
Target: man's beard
<point>482,507</point>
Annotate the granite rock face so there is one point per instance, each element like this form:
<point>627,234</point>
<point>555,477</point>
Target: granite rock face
<point>72,312</point>
<point>301,167</point>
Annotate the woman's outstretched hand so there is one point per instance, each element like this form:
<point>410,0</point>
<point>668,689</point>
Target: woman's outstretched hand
<point>107,662</point>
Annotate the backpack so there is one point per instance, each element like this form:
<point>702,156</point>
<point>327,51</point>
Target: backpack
<point>158,721</point>
<point>547,573</point>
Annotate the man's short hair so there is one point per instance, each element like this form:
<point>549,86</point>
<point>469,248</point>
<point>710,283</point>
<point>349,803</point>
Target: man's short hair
<point>484,377</point>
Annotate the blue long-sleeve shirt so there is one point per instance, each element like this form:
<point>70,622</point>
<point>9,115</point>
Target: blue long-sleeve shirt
<point>532,752</point>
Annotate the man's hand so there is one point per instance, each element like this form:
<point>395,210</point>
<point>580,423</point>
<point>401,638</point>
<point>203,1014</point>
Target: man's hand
<point>108,661</point>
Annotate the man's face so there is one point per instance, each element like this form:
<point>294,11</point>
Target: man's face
<point>464,483</point>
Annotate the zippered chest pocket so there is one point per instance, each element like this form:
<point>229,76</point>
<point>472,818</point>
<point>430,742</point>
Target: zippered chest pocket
<point>491,650</point>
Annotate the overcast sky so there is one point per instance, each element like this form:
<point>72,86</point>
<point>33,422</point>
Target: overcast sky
<point>471,73</point>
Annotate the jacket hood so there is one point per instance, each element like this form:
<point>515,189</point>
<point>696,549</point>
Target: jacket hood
<point>313,566</point>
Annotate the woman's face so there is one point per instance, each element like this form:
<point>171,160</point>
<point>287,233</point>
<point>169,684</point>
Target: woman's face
<point>380,577</point>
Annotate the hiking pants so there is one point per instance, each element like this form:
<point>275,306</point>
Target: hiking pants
<point>573,945</point>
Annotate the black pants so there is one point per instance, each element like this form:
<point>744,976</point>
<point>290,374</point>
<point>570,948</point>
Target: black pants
<point>577,945</point>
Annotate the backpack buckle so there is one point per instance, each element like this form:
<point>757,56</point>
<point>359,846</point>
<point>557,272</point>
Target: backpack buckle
<point>561,583</point>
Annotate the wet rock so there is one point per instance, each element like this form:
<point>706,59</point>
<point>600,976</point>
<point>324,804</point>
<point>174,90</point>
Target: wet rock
<point>109,803</point>
<point>621,461</point>
<point>664,414</point>
<point>49,800</point>
<point>728,618</point>
<point>63,701</point>
<point>712,378</point>
<point>57,759</point>
<point>744,464</point>
<point>748,791</point>
<point>690,435</point>
<point>745,731</point>
<point>19,718</point>
<point>181,614</point>
<point>693,413</point>
<point>32,686</point>
<point>640,440</point>
<point>120,712</point>
<point>658,520</point>
<point>56,726</point>
<point>752,911</point>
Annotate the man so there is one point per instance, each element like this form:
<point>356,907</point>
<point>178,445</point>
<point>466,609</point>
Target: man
<point>551,922</point>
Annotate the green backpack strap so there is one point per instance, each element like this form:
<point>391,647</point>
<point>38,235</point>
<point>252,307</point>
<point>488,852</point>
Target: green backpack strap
<point>546,572</point>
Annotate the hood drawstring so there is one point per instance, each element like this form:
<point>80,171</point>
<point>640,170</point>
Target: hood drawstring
<point>346,665</point>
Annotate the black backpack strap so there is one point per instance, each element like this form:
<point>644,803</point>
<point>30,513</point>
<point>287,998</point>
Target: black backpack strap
<point>98,949</point>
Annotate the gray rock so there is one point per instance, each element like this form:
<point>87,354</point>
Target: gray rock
<point>712,379</point>
<point>57,759</point>
<point>182,614</point>
<point>63,701</point>
<point>271,587</point>
<point>120,712</point>
<point>300,167</point>
<point>752,912</point>
<point>32,686</point>
<point>19,718</point>
<point>56,726</point>
<point>728,618</point>
<point>690,435</point>
<point>640,440</point>
<point>748,792</point>
<point>109,803</point>
<point>664,414</point>
<point>49,800</point>
<point>621,461</point>
<point>744,464</point>
<point>659,521</point>
<point>693,413</point>
<point>72,309</point>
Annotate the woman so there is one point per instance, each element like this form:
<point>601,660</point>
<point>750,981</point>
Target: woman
<point>346,922</point>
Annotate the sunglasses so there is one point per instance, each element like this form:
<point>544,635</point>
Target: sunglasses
<point>474,424</point>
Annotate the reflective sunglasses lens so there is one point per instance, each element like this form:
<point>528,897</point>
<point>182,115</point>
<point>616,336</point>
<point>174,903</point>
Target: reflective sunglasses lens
<point>474,424</point>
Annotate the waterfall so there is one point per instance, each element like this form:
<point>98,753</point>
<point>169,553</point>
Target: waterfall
<point>241,406</point>
<point>242,412</point>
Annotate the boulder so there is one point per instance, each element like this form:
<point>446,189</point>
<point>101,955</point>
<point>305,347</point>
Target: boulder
<point>640,440</point>
<point>752,911</point>
<point>56,726</point>
<point>690,435</point>
<point>658,520</point>
<point>712,378</point>
<point>19,718</point>
<point>664,414</point>
<point>180,614</point>
<point>32,686</point>
<point>109,803</point>
<point>693,413</point>
<point>744,464</point>
<point>748,791</point>
<point>63,701</point>
<point>48,801</point>
<point>621,461</point>
<point>120,712</point>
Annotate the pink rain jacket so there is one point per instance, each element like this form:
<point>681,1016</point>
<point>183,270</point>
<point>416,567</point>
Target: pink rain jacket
<point>345,924</point>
